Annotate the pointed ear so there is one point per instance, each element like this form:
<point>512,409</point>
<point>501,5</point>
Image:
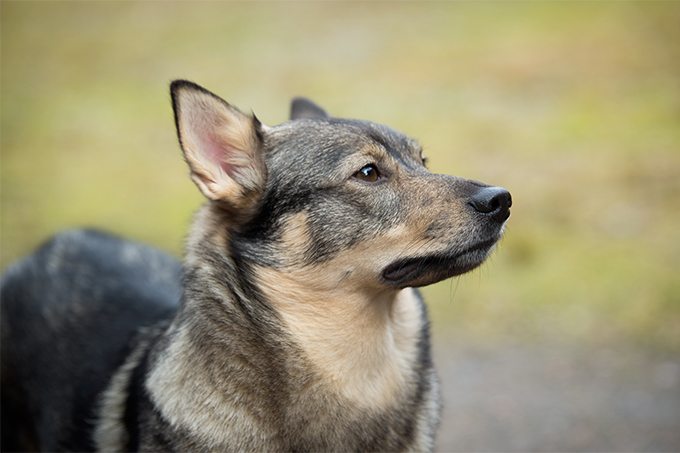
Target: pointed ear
<point>222,146</point>
<point>304,108</point>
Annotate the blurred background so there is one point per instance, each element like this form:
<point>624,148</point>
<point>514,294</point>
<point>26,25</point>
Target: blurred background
<point>568,339</point>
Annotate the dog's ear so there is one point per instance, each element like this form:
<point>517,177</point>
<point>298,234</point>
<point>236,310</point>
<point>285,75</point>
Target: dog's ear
<point>304,108</point>
<point>221,145</point>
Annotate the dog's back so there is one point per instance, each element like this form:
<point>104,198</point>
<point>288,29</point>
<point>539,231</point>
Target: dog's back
<point>70,313</point>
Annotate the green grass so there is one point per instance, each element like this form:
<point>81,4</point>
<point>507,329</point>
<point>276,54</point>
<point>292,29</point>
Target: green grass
<point>572,106</point>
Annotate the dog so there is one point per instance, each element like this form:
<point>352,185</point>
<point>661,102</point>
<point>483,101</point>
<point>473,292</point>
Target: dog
<point>294,323</point>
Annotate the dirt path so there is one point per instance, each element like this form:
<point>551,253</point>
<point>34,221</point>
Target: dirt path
<point>557,398</point>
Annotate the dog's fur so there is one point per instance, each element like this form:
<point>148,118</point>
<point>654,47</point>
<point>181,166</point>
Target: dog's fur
<point>292,325</point>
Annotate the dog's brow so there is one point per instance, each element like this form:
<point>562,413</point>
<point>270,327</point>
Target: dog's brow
<point>379,152</point>
<point>397,146</point>
<point>379,138</point>
<point>394,142</point>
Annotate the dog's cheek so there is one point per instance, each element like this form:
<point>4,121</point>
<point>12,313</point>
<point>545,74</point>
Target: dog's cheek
<point>294,245</point>
<point>346,221</point>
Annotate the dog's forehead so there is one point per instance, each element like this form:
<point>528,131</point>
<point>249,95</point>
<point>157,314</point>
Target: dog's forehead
<point>340,135</point>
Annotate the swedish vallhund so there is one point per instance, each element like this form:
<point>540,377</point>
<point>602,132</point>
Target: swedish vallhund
<point>293,323</point>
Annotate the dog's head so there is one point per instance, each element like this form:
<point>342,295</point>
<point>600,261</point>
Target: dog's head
<point>318,193</point>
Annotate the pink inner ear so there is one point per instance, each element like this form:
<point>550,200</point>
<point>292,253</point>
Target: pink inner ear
<point>218,152</point>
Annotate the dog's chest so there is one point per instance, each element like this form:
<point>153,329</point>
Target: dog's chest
<point>350,393</point>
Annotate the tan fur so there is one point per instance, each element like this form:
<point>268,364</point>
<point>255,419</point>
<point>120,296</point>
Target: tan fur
<point>208,408</point>
<point>295,237</point>
<point>361,338</point>
<point>293,324</point>
<point>204,404</point>
<point>214,133</point>
<point>206,228</point>
<point>110,434</point>
<point>364,260</point>
<point>361,343</point>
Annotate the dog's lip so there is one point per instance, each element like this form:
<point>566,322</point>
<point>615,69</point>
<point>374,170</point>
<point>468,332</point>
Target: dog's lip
<point>396,271</point>
<point>408,268</point>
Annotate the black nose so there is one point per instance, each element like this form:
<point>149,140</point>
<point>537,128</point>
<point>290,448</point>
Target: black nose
<point>492,201</point>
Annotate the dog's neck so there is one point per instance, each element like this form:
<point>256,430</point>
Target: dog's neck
<point>362,342</point>
<point>359,345</point>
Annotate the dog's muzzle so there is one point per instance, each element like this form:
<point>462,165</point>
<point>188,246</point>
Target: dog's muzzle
<point>491,206</point>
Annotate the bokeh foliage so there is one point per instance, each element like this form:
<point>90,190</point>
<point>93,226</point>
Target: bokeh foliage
<point>572,106</point>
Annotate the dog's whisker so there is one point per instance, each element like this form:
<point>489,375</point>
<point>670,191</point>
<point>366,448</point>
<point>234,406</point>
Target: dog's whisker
<point>345,275</point>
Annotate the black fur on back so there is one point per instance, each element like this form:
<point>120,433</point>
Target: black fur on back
<point>112,287</point>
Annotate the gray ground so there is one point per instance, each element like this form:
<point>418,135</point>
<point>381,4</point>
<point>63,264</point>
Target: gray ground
<point>557,398</point>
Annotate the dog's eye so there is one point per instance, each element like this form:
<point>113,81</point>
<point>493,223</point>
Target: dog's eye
<point>369,174</point>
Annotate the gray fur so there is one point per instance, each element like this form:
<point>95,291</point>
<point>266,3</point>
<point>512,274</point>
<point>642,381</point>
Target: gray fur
<point>293,324</point>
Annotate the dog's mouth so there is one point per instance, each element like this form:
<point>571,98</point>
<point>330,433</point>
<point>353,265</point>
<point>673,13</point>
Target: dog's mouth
<point>426,270</point>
